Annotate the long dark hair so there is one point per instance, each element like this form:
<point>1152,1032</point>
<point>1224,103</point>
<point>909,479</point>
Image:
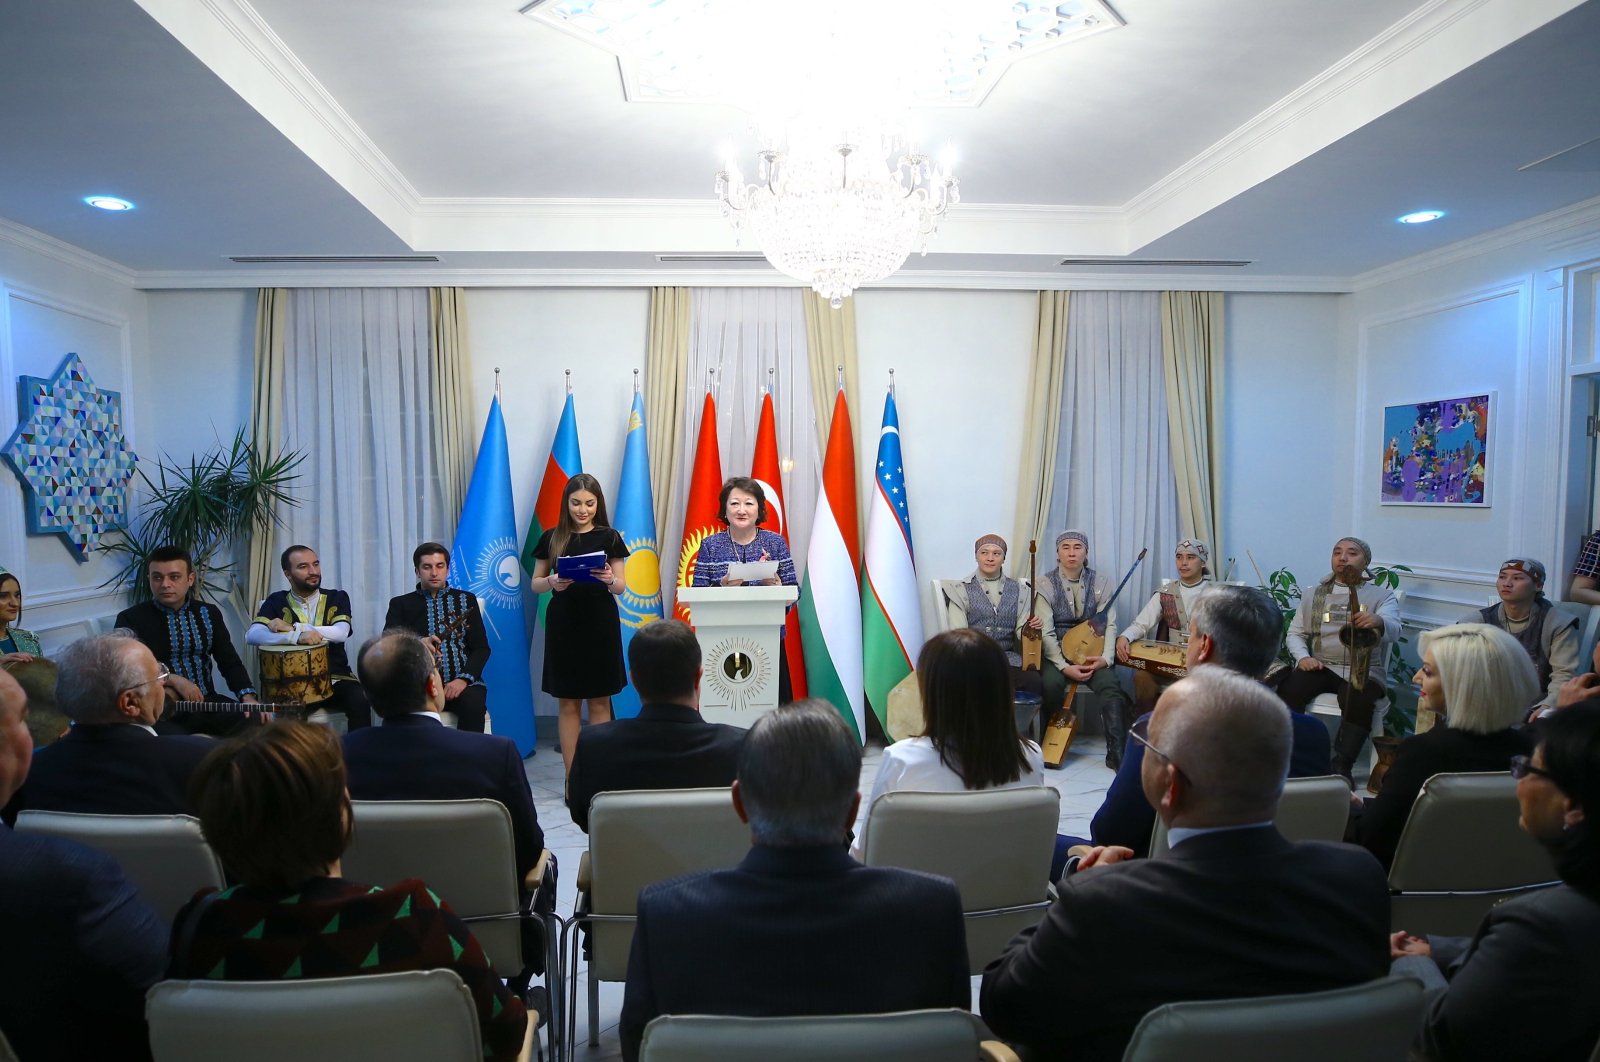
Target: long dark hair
<point>967,704</point>
<point>564,528</point>
<point>1571,742</point>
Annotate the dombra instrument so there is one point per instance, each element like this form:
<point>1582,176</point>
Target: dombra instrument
<point>1158,658</point>
<point>1359,643</point>
<point>295,674</point>
<point>1032,648</point>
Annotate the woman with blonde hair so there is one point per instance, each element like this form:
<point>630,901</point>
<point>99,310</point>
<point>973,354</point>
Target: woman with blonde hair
<point>1479,681</point>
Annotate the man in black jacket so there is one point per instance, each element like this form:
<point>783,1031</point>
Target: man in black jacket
<point>449,621</point>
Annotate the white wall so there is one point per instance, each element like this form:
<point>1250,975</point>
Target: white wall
<point>201,368</point>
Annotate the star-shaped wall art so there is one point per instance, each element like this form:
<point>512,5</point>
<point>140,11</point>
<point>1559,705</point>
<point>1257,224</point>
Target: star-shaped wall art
<point>71,455</point>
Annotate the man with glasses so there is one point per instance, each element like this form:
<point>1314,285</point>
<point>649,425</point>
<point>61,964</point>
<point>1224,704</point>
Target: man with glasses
<point>1233,910</point>
<point>111,762</point>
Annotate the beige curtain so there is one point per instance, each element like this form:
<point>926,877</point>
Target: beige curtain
<point>1041,433</point>
<point>666,391</point>
<point>452,405</point>
<point>266,429</point>
<point>1191,345</point>
<point>831,343</point>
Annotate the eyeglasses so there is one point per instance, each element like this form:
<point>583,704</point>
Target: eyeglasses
<point>1522,766</point>
<point>1140,732</point>
<point>162,674</point>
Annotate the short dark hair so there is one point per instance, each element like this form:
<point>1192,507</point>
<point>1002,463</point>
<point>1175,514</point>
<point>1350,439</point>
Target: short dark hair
<point>799,768</point>
<point>663,659</point>
<point>967,699</point>
<point>1571,742</point>
<point>394,669</point>
<point>272,803</point>
<point>749,486</point>
<point>283,561</point>
<point>427,549</point>
<point>163,554</point>
<point>1244,624</point>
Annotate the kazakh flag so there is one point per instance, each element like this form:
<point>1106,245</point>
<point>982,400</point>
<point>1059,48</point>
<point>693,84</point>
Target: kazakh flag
<point>891,614</point>
<point>483,562</point>
<point>565,462</point>
<point>635,520</point>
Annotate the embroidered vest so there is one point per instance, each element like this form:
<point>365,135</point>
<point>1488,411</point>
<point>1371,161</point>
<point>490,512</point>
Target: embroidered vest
<point>1061,611</point>
<point>1174,617</point>
<point>997,621</point>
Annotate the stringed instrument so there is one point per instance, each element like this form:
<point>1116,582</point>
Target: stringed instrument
<point>1032,648</point>
<point>270,710</point>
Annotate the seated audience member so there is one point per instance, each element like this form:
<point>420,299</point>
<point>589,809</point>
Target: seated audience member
<point>668,745</point>
<point>273,805</point>
<point>16,645</point>
<point>1515,990</point>
<point>1233,910</point>
<point>1584,586</point>
<point>798,927</point>
<point>969,737</point>
<point>37,677</point>
<point>81,947</point>
<point>1480,681</point>
<point>1548,634</point>
<point>111,762</point>
<point>1234,627</point>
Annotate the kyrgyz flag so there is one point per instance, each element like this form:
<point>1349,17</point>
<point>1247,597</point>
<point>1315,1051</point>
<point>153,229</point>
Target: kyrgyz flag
<point>830,598</point>
<point>891,615</point>
<point>564,463</point>
<point>700,513</point>
<point>635,520</point>
<point>764,469</point>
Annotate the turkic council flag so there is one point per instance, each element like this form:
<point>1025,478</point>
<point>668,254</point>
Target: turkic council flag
<point>830,599</point>
<point>483,562</point>
<point>635,520</point>
<point>701,511</point>
<point>565,462</point>
<point>891,615</point>
<point>765,470</point>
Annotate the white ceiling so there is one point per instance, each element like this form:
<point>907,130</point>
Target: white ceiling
<point>1288,133</point>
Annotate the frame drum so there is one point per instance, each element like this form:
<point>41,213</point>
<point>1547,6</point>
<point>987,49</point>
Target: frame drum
<point>295,674</point>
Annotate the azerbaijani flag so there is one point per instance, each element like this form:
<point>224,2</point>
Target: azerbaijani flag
<point>635,519</point>
<point>891,615</point>
<point>484,563</point>
<point>765,470</point>
<point>830,597</point>
<point>700,512</point>
<point>565,462</point>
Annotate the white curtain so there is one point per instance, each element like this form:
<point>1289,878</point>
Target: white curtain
<point>736,335</point>
<point>357,378</point>
<point>1113,463</point>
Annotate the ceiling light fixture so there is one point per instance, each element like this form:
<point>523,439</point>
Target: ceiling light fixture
<point>107,202</point>
<point>1420,217</point>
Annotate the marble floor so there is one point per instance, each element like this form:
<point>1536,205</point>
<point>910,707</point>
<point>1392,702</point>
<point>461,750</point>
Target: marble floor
<point>1081,781</point>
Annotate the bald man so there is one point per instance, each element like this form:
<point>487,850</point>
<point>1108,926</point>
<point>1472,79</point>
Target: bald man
<point>1232,910</point>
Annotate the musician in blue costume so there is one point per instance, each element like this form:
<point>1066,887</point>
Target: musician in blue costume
<point>998,605</point>
<point>1075,593</point>
<point>307,614</point>
<point>450,622</point>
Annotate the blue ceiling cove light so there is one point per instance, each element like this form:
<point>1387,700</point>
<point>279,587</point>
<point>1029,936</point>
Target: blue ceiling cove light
<point>107,202</point>
<point>1421,217</point>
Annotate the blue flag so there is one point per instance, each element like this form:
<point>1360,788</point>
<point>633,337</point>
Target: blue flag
<point>485,562</point>
<point>635,520</point>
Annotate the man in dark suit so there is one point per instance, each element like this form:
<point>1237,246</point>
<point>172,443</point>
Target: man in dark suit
<point>81,946</point>
<point>1239,628</point>
<point>1233,910</point>
<point>112,762</point>
<point>668,746</point>
<point>798,927</point>
<point>449,621</point>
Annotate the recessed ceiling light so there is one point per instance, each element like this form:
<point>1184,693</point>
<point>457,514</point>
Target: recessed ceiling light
<point>107,202</point>
<point>1421,217</point>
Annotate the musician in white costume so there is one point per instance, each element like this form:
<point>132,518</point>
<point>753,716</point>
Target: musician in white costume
<point>1165,618</point>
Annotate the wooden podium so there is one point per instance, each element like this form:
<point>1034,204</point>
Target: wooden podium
<point>740,629</point>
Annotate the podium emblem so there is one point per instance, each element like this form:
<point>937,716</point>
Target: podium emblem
<point>740,668</point>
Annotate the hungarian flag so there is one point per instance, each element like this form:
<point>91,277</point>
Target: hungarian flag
<point>700,513</point>
<point>830,597</point>
<point>764,469</point>
<point>564,463</point>
<point>891,615</point>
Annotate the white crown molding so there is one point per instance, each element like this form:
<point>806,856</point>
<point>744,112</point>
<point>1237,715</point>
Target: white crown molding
<point>65,253</point>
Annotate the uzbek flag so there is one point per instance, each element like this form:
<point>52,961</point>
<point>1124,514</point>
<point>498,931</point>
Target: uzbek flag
<point>483,562</point>
<point>635,519</point>
<point>891,614</point>
<point>830,597</point>
<point>766,470</point>
<point>565,462</point>
<point>700,512</point>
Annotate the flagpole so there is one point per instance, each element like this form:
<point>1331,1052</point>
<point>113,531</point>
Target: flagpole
<point>636,381</point>
<point>497,394</point>
<point>569,381</point>
<point>772,370</point>
<point>840,372</point>
<point>891,383</point>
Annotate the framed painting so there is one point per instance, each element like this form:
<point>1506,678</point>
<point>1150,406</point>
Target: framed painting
<point>1438,452</point>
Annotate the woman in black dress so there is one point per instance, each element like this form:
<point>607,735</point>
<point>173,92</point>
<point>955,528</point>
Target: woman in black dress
<point>582,635</point>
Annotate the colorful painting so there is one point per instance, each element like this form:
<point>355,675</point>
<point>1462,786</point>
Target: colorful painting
<point>1437,453</point>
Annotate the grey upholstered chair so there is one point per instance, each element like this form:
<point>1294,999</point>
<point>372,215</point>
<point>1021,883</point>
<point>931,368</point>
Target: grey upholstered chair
<point>907,1036</point>
<point>1311,809</point>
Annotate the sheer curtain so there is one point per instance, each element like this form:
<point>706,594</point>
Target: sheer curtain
<point>358,379</point>
<point>1113,462</point>
<point>742,340</point>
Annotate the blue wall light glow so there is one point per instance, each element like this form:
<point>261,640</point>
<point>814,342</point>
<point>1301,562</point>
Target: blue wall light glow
<point>107,202</point>
<point>1421,217</point>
